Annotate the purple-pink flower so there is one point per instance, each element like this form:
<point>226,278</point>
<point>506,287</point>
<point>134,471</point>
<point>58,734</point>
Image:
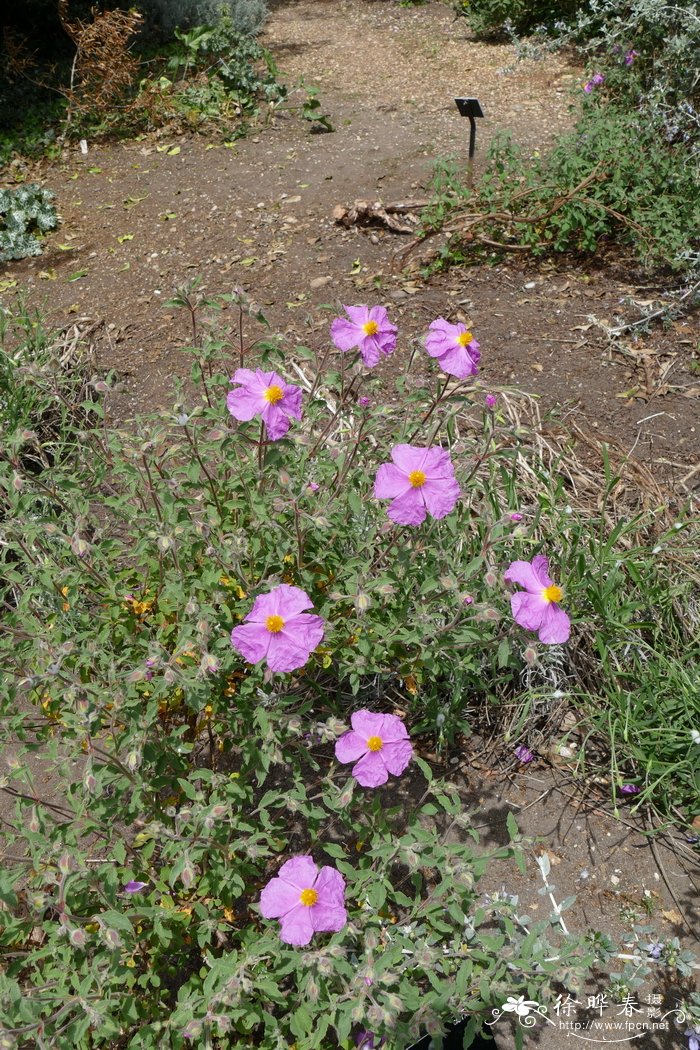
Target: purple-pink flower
<point>364,402</point>
<point>455,348</point>
<point>265,394</point>
<point>378,745</point>
<point>305,899</point>
<point>278,629</point>
<point>516,516</point>
<point>596,80</point>
<point>630,56</point>
<point>369,329</point>
<point>537,607</point>
<point>523,754</point>
<point>629,789</point>
<point>134,886</point>
<point>491,400</point>
<point>420,481</point>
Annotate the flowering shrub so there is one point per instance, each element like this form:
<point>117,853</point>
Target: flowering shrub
<point>162,662</point>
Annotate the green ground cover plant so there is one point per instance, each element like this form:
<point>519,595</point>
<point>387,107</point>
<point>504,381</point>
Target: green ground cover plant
<point>26,213</point>
<point>192,767</point>
<point>625,175</point>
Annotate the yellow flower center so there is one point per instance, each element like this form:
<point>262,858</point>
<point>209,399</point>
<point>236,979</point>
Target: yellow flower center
<point>370,328</point>
<point>417,478</point>
<point>273,394</point>
<point>552,593</point>
<point>374,743</point>
<point>465,338</point>
<point>308,898</point>
<point>274,624</point>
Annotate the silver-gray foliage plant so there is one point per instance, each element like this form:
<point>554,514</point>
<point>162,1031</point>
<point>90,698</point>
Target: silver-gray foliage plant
<point>247,16</point>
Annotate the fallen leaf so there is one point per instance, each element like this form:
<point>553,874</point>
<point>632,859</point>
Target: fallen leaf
<point>47,275</point>
<point>95,171</point>
<point>6,285</point>
<point>167,215</point>
<point>129,202</point>
<point>174,151</point>
<point>78,275</point>
<point>67,247</point>
<point>125,237</point>
<point>673,916</point>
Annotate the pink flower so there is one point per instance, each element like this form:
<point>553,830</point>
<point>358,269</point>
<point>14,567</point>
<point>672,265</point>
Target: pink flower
<point>265,394</point>
<point>630,56</point>
<point>523,754</point>
<point>537,609</point>
<point>305,900</point>
<point>378,745</point>
<point>516,517</point>
<point>369,329</point>
<point>419,481</point>
<point>134,887</point>
<point>629,789</point>
<point>491,400</point>
<point>468,599</point>
<point>312,486</point>
<point>455,348</point>
<point>278,629</point>
<point>364,402</point>
<point>596,80</point>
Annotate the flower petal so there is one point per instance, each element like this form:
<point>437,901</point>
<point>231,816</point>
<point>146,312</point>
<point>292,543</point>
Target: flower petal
<point>330,886</point>
<point>243,404</point>
<point>297,926</point>
<point>408,509</point>
<point>522,572</point>
<point>291,648</point>
<point>251,640</point>
<point>555,627</point>
<point>371,770</point>
<point>540,567</point>
<point>440,495</point>
<point>390,482</point>
<point>370,723</point>
<point>283,600</point>
<point>397,754</point>
<point>528,609</point>
<point>349,747</point>
<point>344,334</point>
<point>409,457</point>
<point>278,898</point>
<point>276,420</point>
<point>301,872</point>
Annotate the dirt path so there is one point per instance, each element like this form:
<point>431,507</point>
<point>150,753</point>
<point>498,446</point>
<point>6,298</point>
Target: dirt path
<point>143,217</point>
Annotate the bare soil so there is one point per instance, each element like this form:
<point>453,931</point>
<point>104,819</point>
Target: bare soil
<point>143,217</point>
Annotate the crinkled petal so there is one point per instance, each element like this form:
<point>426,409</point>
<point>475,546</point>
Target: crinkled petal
<point>528,609</point>
<point>555,626</point>
<point>284,600</point>
<point>243,404</point>
<point>370,723</point>
<point>437,463</point>
<point>296,927</point>
<point>349,747</point>
<point>408,509</point>
<point>359,315</point>
<point>397,754</point>
<point>278,898</point>
<point>328,917</point>
<point>409,457</point>
<point>330,886</point>
<point>276,420</point>
<point>371,770</point>
<point>522,572</point>
<point>300,872</point>
<point>390,482</point>
<point>344,334</point>
<point>370,350</point>
<point>291,647</point>
<point>440,495</point>
<point>540,567</point>
<point>251,640</point>
<point>292,400</point>
<point>459,361</point>
<point>245,376</point>
<point>379,314</point>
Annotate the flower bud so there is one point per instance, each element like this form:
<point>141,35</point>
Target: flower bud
<point>17,483</point>
<point>77,937</point>
<point>66,863</point>
<point>111,938</point>
<point>188,874</point>
<point>312,990</point>
<point>362,602</point>
<point>530,656</point>
<point>33,823</point>
<point>133,760</point>
<point>192,1030</point>
<point>164,544</point>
